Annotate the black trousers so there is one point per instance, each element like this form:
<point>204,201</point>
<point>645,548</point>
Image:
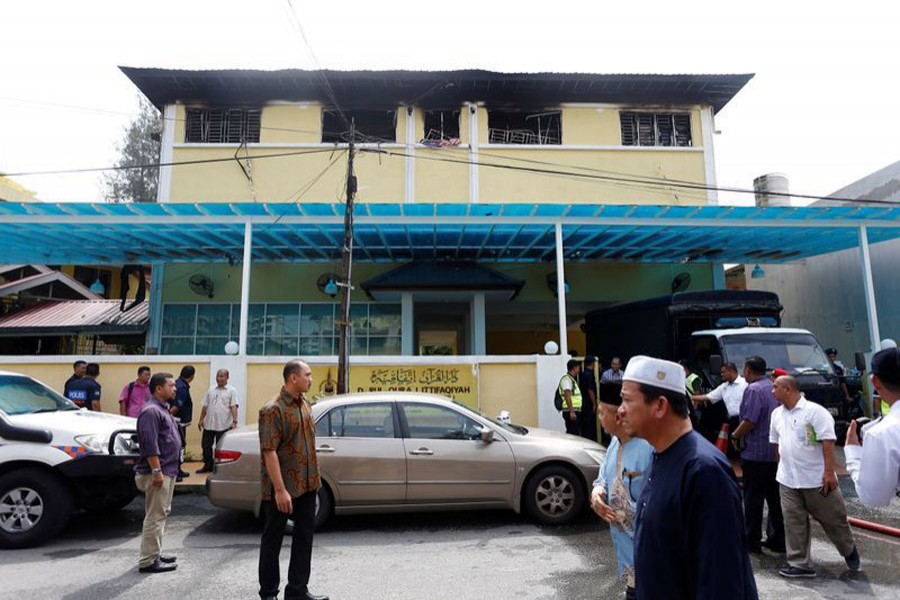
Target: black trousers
<point>573,427</point>
<point>589,425</point>
<point>274,521</point>
<point>208,443</point>
<point>760,486</point>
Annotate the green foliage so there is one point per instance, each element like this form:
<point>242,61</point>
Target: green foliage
<point>140,145</point>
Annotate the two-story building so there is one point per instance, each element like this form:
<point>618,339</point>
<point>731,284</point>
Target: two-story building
<point>427,138</point>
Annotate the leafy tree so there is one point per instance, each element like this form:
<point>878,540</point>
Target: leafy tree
<point>140,145</point>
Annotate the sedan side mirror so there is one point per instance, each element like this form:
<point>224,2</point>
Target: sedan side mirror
<point>487,435</point>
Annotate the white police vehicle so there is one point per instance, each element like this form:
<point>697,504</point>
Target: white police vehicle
<point>56,458</point>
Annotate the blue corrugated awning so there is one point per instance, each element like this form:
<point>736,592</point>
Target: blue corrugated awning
<point>42,233</point>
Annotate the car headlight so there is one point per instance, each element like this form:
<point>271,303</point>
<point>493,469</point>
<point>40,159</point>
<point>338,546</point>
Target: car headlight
<point>94,442</point>
<point>597,455</point>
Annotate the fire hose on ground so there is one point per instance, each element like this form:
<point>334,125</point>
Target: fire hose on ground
<point>876,527</point>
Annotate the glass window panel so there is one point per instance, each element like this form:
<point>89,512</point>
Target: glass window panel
<point>383,346</point>
<point>384,319</point>
<point>316,319</point>
<point>177,345</point>
<point>255,346</point>
<point>211,345</point>
<point>358,345</point>
<point>282,320</point>
<point>323,427</point>
<point>179,319</point>
<point>359,319</point>
<point>281,347</point>
<point>255,319</point>
<point>213,319</point>
<point>317,346</point>
<point>235,321</point>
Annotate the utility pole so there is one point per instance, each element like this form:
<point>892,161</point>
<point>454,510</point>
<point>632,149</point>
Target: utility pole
<point>343,375</point>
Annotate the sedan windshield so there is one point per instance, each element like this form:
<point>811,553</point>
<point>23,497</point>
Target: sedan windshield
<point>797,353</point>
<point>20,395</point>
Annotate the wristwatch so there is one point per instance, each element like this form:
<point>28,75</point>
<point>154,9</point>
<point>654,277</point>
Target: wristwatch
<point>155,471</point>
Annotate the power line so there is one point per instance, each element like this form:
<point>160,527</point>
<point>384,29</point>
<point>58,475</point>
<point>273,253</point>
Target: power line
<point>162,164</point>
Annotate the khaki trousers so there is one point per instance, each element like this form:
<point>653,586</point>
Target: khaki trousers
<point>157,506</point>
<point>798,505</point>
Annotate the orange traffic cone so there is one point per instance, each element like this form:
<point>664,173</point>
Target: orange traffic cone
<point>722,440</point>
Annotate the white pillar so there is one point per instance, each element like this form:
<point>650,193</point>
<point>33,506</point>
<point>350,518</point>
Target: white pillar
<point>479,325</point>
<point>707,131</point>
<point>167,145</point>
<point>869,290</point>
<point>409,194</point>
<point>407,332</point>
<point>473,154</point>
<point>561,293</point>
<point>245,287</point>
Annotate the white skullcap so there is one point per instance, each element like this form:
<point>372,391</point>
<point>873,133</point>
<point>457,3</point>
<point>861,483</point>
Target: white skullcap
<point>656,372</point>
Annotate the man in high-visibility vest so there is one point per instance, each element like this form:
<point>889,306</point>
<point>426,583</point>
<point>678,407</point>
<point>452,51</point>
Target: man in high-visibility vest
<point>571,395</point>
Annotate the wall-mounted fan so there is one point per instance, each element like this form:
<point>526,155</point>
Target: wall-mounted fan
<point>202,285</point>
<point>681,282</point>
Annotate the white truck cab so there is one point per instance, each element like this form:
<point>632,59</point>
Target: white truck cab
<point>56,458</point>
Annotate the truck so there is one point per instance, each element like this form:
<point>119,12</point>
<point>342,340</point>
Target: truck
<point>711,327</point>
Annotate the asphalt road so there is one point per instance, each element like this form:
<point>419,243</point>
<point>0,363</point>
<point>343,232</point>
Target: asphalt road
<point>494,554</point>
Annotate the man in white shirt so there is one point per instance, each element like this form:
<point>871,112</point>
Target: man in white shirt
<point>218,415</point>
<point>730,392</point>
<point>803,433</point>
<point>874,466</point>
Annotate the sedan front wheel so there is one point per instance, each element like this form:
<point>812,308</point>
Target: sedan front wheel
<point>554,495</point>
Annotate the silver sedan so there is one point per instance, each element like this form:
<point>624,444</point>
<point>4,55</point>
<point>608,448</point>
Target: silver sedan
<point>410,452</point>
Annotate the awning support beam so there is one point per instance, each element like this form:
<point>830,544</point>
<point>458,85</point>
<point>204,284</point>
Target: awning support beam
<point>869,289</point>
<point>245,288</point>
<point>561,293</point>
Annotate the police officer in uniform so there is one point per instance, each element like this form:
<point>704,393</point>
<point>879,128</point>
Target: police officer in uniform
<point>570,392</point>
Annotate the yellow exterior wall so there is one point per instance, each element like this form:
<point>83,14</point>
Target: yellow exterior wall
<point>504,185</point>
<point>291,123</point>
<point>440,182</point>
<point>382,177</point>
<point>509,387</point>
<point>500,387</point>
<point>591,126</point>
<point>114,377</point>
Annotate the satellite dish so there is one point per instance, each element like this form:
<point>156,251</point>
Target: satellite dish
<point>681,282</point>
<point>201,285</point>
<point>324,279</point>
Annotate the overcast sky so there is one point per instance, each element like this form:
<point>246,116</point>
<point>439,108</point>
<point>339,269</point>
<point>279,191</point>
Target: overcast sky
<point>821,109</point>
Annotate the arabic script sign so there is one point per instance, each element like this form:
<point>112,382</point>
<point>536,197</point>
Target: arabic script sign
<point>456,381</point>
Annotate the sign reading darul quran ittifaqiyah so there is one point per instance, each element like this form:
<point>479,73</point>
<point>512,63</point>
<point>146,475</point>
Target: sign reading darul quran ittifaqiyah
<point>456,381</point>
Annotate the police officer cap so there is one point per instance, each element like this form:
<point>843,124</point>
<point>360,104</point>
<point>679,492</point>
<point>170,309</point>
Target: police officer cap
<point>886,366</point>
<point>656,372</point>
<point>831,351</point>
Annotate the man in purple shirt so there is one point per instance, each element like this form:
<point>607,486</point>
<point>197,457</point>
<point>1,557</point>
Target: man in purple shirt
<point>156,470</point>
<point>135,394</point>
<point>759,459</point>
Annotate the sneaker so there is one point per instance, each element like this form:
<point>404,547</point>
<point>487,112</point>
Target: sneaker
<point>852,560</point>
<point>795,572</point>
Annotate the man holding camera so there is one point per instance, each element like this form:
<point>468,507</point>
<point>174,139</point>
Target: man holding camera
<point>874,465</point>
